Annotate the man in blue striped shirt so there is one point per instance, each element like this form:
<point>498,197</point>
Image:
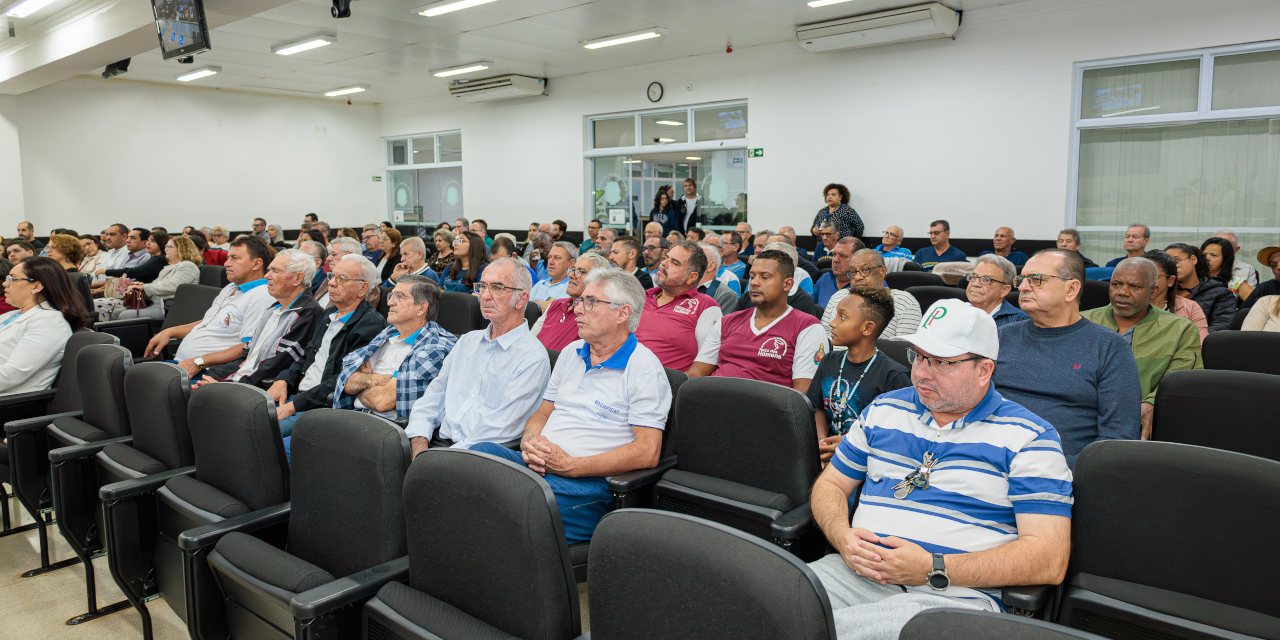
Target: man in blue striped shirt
<point>963,492</point>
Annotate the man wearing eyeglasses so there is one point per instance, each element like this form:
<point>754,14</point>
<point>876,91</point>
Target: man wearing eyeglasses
<point>963,491</point>
<point>492,380</point>
<point>413,261</point>
<point>991,280</point>
<point>260,229</point>
<point>827,237</point>
<point>841,253</point>
<point>891,244</point>
<point>940,250</point>
<point>867,269</point>
<point>1079,376</point>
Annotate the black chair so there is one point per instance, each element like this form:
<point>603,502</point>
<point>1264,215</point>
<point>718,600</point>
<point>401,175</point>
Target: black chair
<point>1237,321</point>
<point>912,266</point>
<point>1242,351</point>
<point>927,296</point>
<point>83,282</point>
<point>1012,299</point>
<point>383,307</point>
<point>553,355</point>
<point>460,313</point>
<point>27,450</point>
<point>667,575</point>
<point>346,530</point>
<point>901,280</point>
<point>531,313</point>
<point>1144,513</point>
<point>1095,295</point>
<point>487,555</point>
<point>240,468</point>
<point>896,350</point>
<point>1192,407</point>
<point>189,304</point>
<point>824,264</point>
<point>967,624</point>
<point>213,275</point>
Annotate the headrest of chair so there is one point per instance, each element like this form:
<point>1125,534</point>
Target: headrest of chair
<point>238,448</point>
<point>157,394</point>
<point>100,371</point>
<point>67,396</point>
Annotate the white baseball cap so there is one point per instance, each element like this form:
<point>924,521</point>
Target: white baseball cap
<point>953,327</point>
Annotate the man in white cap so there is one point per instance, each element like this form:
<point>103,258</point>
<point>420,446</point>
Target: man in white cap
<point>967,492</point>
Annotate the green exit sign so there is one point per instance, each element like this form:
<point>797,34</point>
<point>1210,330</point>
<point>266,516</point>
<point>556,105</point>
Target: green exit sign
<point>377,178</point>
<point>755,153</point>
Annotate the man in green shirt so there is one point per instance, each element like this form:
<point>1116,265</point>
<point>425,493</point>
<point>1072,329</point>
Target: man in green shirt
<point>1161,341</point>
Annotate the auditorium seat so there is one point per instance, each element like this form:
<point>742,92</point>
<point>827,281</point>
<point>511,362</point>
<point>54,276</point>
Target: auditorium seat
<point>1256,351</point>
<point>656,574</point>
<point>1012,299</point>
<point>460,313</point>
<point>212,275</point>
<point>927,296</point>
<point>1226,410</point>
<point>531,313</point>
<point>1095,294</point>
<point>1237,320</point>
<point>968,624</point>
<point>912,266</point>
<point>901,280</point>
<point>1171,541</point>
<point>895,349</point>
<point>487,556</point>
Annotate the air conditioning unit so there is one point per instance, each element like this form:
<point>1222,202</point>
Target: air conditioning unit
<point>499,88</point>
<point>921,22</point>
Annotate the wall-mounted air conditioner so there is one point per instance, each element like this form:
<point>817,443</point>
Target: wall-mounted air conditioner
<point>499,88</point>
<point>921,22</point>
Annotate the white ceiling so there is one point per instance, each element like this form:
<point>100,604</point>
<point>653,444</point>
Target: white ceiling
<point>386,45</point>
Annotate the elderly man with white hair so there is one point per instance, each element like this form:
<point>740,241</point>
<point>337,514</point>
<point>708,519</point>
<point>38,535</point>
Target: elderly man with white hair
<point>992,278</point>
<point>320,281</point>
<point>604,408</point>
<point>413,261</point>
<point>867,269</point>
<point>722,293</point>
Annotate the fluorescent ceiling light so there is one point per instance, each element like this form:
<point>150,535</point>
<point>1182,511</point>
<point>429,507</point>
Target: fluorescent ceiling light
<point>305,44</point>
<point>634,36</point>
<point>666,139</point>
<point>631,161</point>
<point>438,8</point>
<point>823,3</point>
<point>671,123</point>
<point>199,73</point>
<point>346,90</point>
<point>692,158</point>
<point>24,9</point>
<point>466,68</point>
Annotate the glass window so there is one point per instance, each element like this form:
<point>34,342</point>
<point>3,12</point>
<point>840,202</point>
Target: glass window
<point>613,132</point>
<point>610,187</point>
<point>426,195</point>
<point>424,150</point>
<point>720,123</point>
<point>1145,89</point>
<point>1247,80</point>
<point>404,200</point>
<point>451,147</point>
<point>664,128</point>
<point>397,152</point>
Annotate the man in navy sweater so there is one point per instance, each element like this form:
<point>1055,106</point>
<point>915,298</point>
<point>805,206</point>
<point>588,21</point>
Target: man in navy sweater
<point>1076,375</point>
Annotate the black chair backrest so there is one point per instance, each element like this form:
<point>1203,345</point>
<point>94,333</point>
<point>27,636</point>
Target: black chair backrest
<point>1123,487</point>
<point>552,355</point>
<point>744,587</point>
<point>750,432</point>
<point>157,394</point>
<point>213,275</point>
<point>531,313</point>
<point>82,282</point>
<point>1096,294</point>
<point>677,380</point>
<point>967,624</point>
<point>912,266</point>
<point>100,371</point>
<point>926,296</point>
<point>1237,321</point>
<point>190,302</point>
<point>347,509</point>
<point>66,396</point>
<point>1226,410</point>
<point>895,349</point>
<point>460,313</point>
<point>901,280</point>
<point>237,442</point>
<point>1254,351</point>
<point>480,526</point>
<point>1012,299</point>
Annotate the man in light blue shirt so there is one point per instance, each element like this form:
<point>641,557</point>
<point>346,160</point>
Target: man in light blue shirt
<point>556,284</point>
<point>493,379</point>
<point>892,244</point>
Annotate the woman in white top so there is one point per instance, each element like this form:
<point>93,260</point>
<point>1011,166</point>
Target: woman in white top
<point>1264,316</point>
<point>184,268</point>
<point>33,338</point>
<point>93,254</point>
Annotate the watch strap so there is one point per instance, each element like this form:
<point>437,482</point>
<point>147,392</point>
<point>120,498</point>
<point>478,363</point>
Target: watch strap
<point>938,563</point>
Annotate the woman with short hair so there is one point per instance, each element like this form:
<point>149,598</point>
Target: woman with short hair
<point>443,257</point>
<point>33,337</point>
<point>838,211</point>
<point>66,250</point>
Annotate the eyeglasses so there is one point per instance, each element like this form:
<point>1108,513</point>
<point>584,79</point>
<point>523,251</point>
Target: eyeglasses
<point>589,303</point>
<point>10,279</point>
<point>936,233</point>
<point>936,364</point>
<point>1037,279</point>
<point>892,235</point>
<point>864,272</point>
<point>497,288</point>
<point>396,296</point>
<point>341,279</point>
<point>826,234</point>
<point>574,271</point>
<point>1178,262</point>
<point>985,280</point>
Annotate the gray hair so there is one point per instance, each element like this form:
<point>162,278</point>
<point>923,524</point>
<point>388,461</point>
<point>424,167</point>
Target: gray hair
<point>1230,234</point>
<point>448,236</point>
<point>423,290</point>
<point>414,243</point>
<point>322,226</point>
<point>507,236</point>
<point>569,248</point>
<point>747,225</point>
<point>368,272</point>
<point>612,231</point>
<point>828,223</point>
<point>789,250</point>
<point>540,236</point>
<point>1144,266</point>
<point>297,261</point>
<point>1146,231</point>
<point>785,239</point>
<point>322,253</point>
<point>1007,270</point>
<point>879,258</point>
<point>597,261</point>
<point>520,277</point>
<point>351,244</point>
<point>713,257</point>
<point>623,289</point>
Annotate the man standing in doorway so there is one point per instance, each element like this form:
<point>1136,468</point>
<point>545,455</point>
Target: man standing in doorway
<point>687,208</point>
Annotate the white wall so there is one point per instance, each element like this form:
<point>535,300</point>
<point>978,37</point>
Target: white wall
<point>975,130</point>
<point>96,152</point>
<point>11,205</point>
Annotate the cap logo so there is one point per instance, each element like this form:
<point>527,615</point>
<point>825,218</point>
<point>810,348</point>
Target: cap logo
<point>937,314</point>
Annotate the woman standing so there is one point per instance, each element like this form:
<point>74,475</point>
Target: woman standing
<point>92,254</point>
<point>444,240</point>
<point>390,252</point>
<point>275,238</point>
<point>838,211</point>
<point>1221,257</point>
<point>33,338</point>
<point>65,250</point>
<point>1194,283</point>
<point>662,212</point>
<point>183,268</point>
<point>469,262</point>
<point>1167,282</point>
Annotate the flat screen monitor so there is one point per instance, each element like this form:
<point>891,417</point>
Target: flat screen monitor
<point>182,27</point>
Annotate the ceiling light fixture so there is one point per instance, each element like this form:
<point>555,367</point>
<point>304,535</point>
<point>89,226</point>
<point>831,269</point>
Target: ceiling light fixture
<point>24,9</point>
<point>306,44</point>
<point>466,68</point>
<point>632,161</point>
<point>670,123</point>
<point>199,73</point>
<point>692,158</point>
<point>439,8</point>
<point>634,36</point>
<point>823,3</point>
<point>666,139</point>
<point>346,90</point>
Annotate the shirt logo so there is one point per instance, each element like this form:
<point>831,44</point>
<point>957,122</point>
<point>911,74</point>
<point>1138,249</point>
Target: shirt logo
<point>773,348</point>
<point>688,306</point>
<point>1075,366</point>
<point>608,408</point>
<point>937,314</point>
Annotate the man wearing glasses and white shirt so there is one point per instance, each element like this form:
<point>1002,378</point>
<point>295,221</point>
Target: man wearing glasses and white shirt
<point>493,379</point>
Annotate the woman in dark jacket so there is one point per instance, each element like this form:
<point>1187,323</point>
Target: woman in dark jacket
<point>391,251</point>
<point>1194,282</point>
<point>838,211</point>
<point>662,212</point>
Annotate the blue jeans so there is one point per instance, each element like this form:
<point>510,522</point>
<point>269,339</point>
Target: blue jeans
<point>286,430</point>
<point>582,501</point>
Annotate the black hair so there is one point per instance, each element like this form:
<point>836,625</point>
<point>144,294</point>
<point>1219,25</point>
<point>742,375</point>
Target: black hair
<point>697,259</point>
<point>844,191</point>
<point>701,233</point>
<point>144,234</point>
<point>560,224</point>
<point>257,247</point>
<point>633,244</point>
<point>1228,257</point>
<point>946,226</point>
<point>1202,265</point>
<point>58,290</point>
<point>657,200</point>
<point>786,267</point>
<point>505,243</point>
<point>735,238</point>
<point>481,223</point>
<point>877,305</point>
<point>1164,262</point>
<point>477,258</point>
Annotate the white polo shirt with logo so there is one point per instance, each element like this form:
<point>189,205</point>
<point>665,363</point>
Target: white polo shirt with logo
<point>596,407</point>
<point>234,318</point>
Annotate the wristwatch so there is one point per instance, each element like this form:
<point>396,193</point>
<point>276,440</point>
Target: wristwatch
<point>938,578</point>
<point>199,363</point>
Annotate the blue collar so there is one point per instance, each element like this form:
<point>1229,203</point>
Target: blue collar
<point>248,286</point>
<point>295,300</point>
<point>985,408</point>
<point>345,318</point>
<point>617,361</point>
<point>413,337</point>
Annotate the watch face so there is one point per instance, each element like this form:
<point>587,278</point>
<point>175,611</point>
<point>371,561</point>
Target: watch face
<point>939,581</point>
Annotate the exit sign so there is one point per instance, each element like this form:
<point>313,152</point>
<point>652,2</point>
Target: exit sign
<point>755,153</point>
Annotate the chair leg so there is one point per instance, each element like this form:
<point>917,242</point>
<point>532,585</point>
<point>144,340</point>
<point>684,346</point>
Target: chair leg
<point>91,584</point>
<point>43,520</point>
<point>9,529</point>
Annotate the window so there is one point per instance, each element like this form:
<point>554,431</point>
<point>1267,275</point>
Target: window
<point>424,178</point>
<point>613,132</point>
<point>1187,145</point>
<point>720,123</point>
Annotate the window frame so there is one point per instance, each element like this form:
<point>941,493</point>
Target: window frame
<point>409,141</point>
<point>589,150</point>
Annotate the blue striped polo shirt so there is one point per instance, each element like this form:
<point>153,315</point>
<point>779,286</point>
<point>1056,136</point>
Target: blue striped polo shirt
<point>997,461</point>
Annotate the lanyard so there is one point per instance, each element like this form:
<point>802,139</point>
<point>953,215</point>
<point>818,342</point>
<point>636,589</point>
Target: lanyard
<point>15,317</point>
<point>840,399</point>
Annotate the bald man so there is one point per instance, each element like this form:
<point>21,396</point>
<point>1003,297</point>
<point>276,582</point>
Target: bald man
<point>1003,243</point>
<point>891,244</point>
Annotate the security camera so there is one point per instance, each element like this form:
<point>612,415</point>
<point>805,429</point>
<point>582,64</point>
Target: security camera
<point>187,60</point>
<point>656,140</point>
<point>341,8</point>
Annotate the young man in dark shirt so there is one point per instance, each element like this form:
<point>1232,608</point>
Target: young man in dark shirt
<point>847,381</point>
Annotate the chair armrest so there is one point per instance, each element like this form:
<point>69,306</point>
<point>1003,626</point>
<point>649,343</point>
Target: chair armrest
<point>1027,597</point>
<point>793,523</point>
<point>352,589</point>
<point>116,324</point>
<point>33,424</point>
<point>624,483</point>
<point>43,395</point>
<point>86,450</point>
<point>130,488</point>
<point>210,534</point>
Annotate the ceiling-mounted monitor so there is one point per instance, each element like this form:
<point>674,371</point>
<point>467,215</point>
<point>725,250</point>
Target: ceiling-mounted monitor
<point>182,27</point>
